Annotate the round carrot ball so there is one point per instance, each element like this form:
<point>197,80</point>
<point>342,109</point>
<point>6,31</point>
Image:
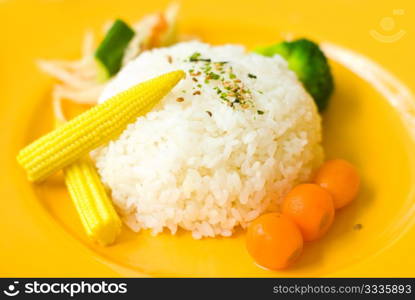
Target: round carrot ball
<point>274,241</point>
<point>311,208</point>
<point>341,179</point>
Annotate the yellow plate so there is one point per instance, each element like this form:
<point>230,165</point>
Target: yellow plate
<point>370,122</point>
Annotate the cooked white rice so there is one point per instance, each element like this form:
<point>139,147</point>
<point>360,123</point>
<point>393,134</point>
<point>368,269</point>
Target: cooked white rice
<point>200,164</point>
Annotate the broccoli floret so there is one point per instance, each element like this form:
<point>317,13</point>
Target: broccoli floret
<point>305,58</point>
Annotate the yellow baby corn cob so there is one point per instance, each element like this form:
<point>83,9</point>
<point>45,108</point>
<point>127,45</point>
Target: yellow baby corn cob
<point>94,207</point>
<point>97,214</point>
<point>93,128</point>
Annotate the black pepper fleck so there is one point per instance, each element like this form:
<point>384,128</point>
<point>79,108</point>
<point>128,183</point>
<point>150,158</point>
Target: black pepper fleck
<point>358,226</point>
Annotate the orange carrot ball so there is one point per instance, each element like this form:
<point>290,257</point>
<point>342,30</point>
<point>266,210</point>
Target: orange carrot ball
<point>311,208</point>
<point>341,179</point>
<point>274,241</point>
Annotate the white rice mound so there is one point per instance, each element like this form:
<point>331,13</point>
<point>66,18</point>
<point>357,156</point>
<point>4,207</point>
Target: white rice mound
<point>200,164</point>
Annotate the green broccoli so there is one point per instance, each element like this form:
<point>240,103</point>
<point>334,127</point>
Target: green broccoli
<point>305,58</point>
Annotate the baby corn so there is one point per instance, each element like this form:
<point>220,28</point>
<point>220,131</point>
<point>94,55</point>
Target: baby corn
<point>93,128</point>
<point>98,216</point>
